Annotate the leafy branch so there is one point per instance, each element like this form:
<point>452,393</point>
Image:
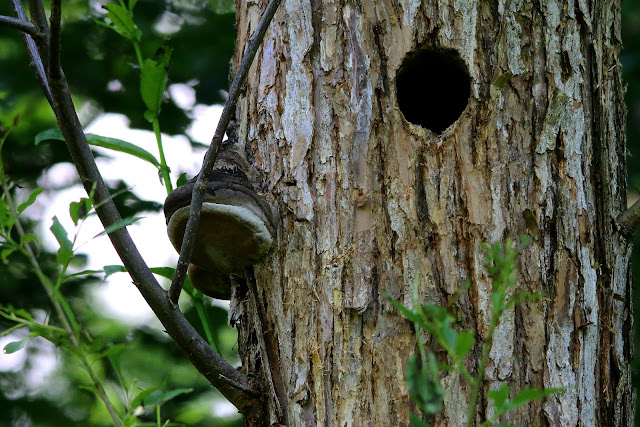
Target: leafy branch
<point>153,74</point>
<point>69,335</point>
<point>44,56</point>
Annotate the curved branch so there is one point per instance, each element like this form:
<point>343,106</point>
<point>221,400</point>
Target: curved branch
<point>32,50</point>
<point>54,69</point>
<point>20,24</point>
<point>234,385</point>
<point>39,18</point>
<point>199,188</point>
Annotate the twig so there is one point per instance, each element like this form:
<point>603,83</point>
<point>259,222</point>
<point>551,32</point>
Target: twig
<point>629,220</point>
<point>197,196</point>
<point>20,24</point>
<point>55,69</point>
<point>32,49</point>
<point>39,18</point>
<point>210,364</point>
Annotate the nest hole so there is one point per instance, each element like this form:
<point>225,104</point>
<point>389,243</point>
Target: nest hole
<point>433,87</point>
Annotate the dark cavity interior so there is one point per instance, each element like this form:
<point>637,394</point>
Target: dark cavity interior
<point>433,87</point>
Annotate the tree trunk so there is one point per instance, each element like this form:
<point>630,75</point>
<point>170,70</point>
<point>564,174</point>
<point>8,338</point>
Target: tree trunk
<point>379,181</point>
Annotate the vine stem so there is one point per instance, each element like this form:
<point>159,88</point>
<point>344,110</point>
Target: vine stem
<point>164,169</point>
<point>475,391</point>
<point>197,196</point>
<point>204,319</point>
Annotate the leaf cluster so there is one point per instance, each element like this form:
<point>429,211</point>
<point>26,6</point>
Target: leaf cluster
<point>423,372</point>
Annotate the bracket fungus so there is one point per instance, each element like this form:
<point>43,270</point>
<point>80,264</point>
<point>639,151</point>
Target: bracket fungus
<point>236,229</point>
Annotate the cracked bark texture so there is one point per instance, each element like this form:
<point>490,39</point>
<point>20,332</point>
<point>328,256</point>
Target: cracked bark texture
<point>369,201</point>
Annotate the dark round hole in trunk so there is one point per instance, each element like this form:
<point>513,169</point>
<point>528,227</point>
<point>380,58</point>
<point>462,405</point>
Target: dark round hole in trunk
<point>433,87</point>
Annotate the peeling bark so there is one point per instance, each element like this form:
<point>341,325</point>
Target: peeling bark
<point>369,201</point>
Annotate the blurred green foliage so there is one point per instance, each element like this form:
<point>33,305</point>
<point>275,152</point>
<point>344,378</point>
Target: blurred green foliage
<point>102,72</point>
<point>104,76</point>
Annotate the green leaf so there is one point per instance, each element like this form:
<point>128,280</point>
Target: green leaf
<point>130,421</point>
<point>140,397</point>
<point>112,269</point>
<point>182,179</point>
<point>30,200</point>
<point>153,81</point>
<point>118,225</point>
<point>424,385</point>
<point>528,394</point>
<point>168,272</point>
<point>417,422</point>
<point>448,337</point>
<point>464,343</point>
<point>523,298</point>
<point>57,336</point>
<point>88,388</point>
<point>158,398</point>
<point>79,210</point>
<point>4,255</point>
<point>123,147</point>
<point>65,253</point>
<point>500,396</point>
<point>445,368</point>
<point>122,22</point>
<point>28,238</point>
<point>502,80</point>
<point>82,273</point>
<point>7,219</point>
<point>406,312</point>
<point>525,396</point>
<point>193,293</point>
<point>14,346</point>
<point>104,142</point>
<point>112,350</point>
<point>64,256</point>
<point>24,314</point>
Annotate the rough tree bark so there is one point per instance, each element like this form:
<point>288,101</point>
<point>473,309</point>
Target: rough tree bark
<point>369,200</point>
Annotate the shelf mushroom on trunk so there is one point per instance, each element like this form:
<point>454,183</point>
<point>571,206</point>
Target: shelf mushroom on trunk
<point>236,229</point>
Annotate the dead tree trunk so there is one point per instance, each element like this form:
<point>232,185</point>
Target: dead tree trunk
<point>396,137</point>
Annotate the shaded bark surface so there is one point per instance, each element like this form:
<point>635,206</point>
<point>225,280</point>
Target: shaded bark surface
<point>369,202</point>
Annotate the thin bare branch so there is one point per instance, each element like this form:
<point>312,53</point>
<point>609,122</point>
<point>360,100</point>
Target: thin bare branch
<point>22,25</point>
<point>234,385</point>
<point>34,55</point>
<point>39,18</point>
<point>197,196</point>
<point>55,70</point>
<point>629,220</point>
